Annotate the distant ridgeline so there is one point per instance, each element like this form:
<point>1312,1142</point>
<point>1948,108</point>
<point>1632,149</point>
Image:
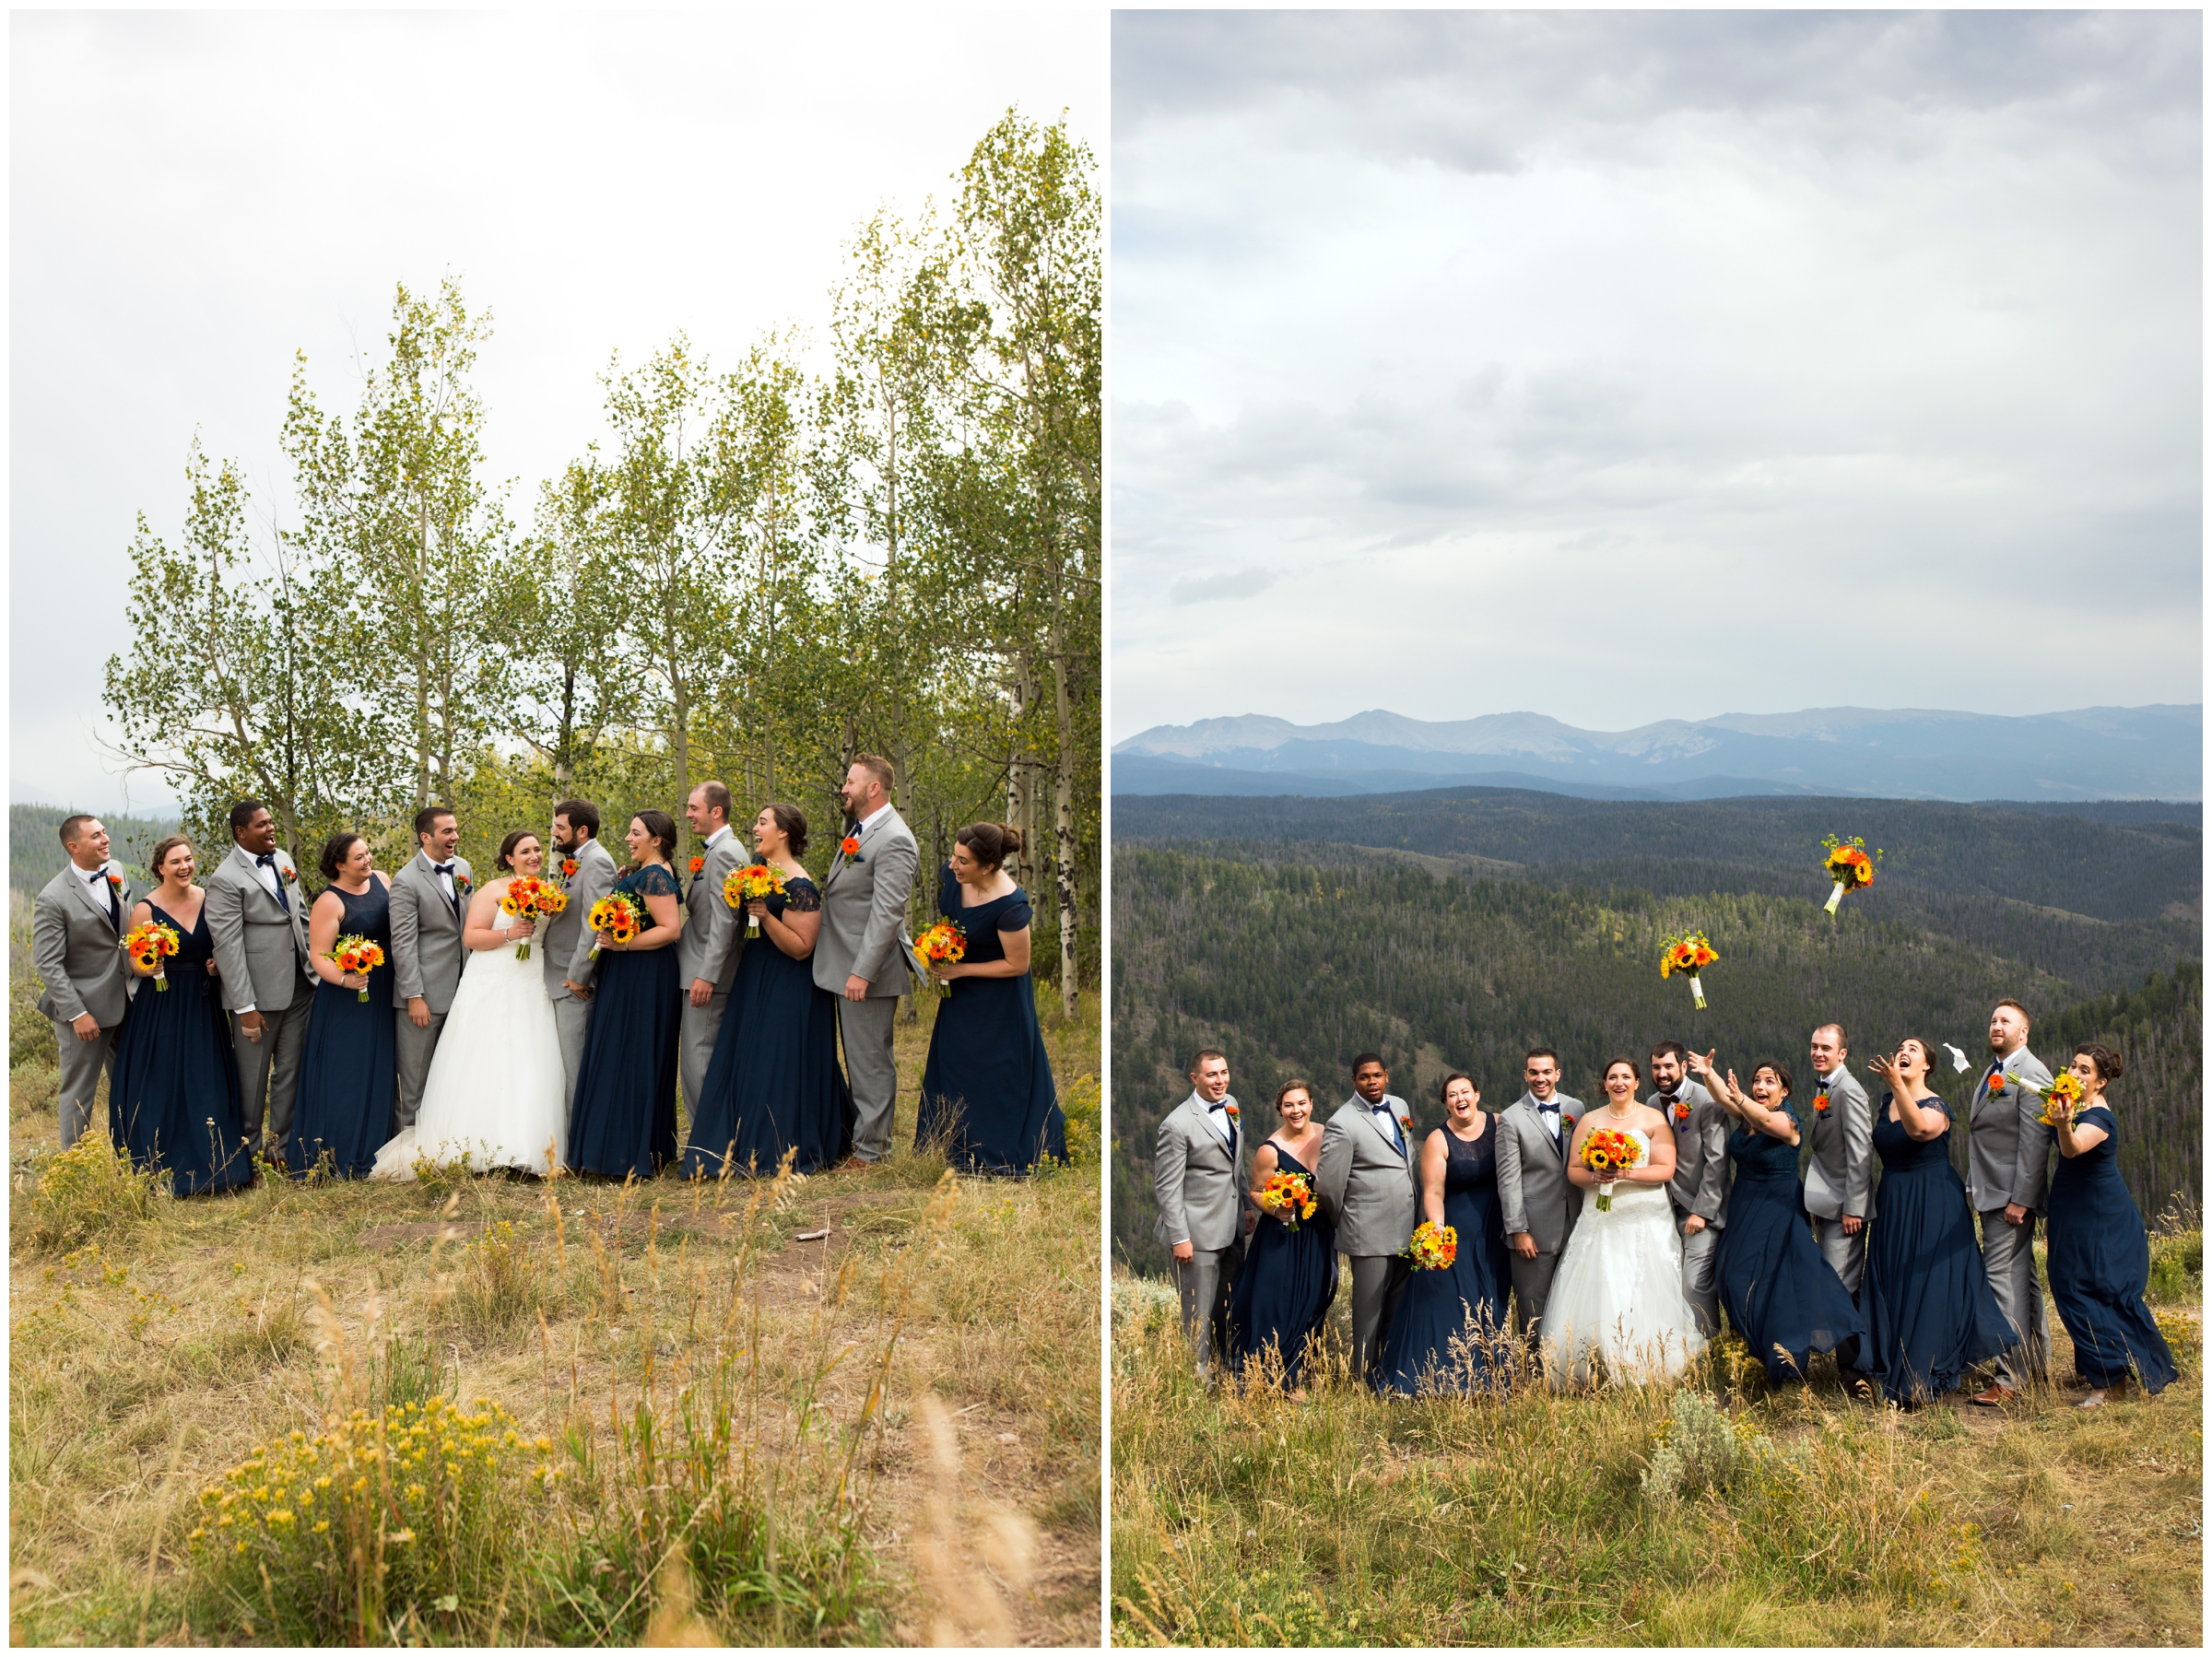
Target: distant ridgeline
<point>1453,929</point>
<point>34,845</point>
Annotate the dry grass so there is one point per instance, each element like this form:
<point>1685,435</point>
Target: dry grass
<point>757,1439</point>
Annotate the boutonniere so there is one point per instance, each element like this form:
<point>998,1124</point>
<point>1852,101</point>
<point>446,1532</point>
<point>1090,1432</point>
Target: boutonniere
<point>463,885</point>
<point>850,846</point>
<point>1231,1108</point>
<point>1820,1102</point>
<point>115,880</point>
<point>1407,1123</point>
<point>568,868</point>
<point>1996,1081</point>
<point>1681,1110</point>
<point>698,863</point>
<point>290,877</point>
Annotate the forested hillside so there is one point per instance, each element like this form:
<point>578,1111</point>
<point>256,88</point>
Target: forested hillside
<point>34,847</point>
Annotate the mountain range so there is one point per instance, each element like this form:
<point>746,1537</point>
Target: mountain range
<point>2154,752</point>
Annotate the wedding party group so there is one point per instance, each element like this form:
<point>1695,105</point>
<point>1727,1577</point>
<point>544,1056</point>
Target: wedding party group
<point>545,1020</point>
<point>1577,1243</point>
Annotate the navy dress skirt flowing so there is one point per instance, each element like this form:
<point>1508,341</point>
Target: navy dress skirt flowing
<point>1285,1290</point>
<point>2099,1264</point>
<point>1930,1312</point>
<point>987,1087</point>
<point>622,1120</point>
<point>1779,1291</point>
<point>1465,1303</point>
<point>174,1100</point>
<point>773,1083</point>
<point>349,1080</point>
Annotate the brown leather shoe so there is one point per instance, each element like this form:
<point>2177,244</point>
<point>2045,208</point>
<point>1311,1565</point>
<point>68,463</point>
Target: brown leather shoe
<point>1996,1397</point>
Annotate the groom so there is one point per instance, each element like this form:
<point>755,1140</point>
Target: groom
<point>257,916</point>
<point>1369,1182</point>
<point>860,954</point>
<point>430,900</point>
<point>1700,1188</point>
<point>1538,1203</point>
<point>76,930</point>
<point>587,873</point>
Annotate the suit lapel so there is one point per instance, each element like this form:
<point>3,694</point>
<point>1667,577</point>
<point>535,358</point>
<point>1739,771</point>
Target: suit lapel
<point>94,904</point>
<point>1388,1144</point>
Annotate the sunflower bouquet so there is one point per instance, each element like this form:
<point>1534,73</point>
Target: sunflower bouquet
<point>528,897</point>
<point>943,943</point>
<point>1689,955</point>
<point>617,916</point>
<point>354,953</point>
<point>152,944</point>
<point>753,881</point>
<point>1849,866</point>
<point>1433,1248</point>
<point>1289,1196</point>
<point>1608,1154</point>
<point>2065,1092</point>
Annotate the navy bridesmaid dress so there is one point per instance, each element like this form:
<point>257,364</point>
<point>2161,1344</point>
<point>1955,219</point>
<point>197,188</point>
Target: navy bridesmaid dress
<point>2099,1264</point>
<point>349,1081</point>
<point>174,1099</point>
<point>1930,1312</point>
<point>1284,1291</point>
<point>1465,1303</point>
<point>773,1083</point>
<point>1779,1289</point>
<point>987,1087</point>
<point>623,1118</point>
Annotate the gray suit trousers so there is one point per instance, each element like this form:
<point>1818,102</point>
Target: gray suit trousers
<point>412,1051</point>
<point>1202,1284</point>
<point>1700,1273</point>
<point>1847,1254</point>
<point>1532,1288</point>
<point>1378,1285</point>
<point>570,1018</point>
<point>2008,1251</point>
<point>268,1069</point>
<point>865,1026</point>
<point>81,1062</point>
<point>695,1044</point>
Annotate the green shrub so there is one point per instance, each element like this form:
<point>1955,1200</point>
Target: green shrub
<point>90,1193</point>
<point>1701,1449</point>
<point>2177,1266</point>
<point>1080,1105</point>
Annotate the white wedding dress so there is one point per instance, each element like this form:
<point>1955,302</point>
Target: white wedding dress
<point>496,1093</point>
<point>1619,1289</point>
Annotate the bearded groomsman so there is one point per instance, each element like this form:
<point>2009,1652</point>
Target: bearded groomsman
<point>860,953</point>
<point>258,921</point>
<point>76,937</point>
<point>706,950</point>
<point>587,873</point>
<point>1369,1181</point>
<point>1839,1181</point>
<point>1199,1186</point>
<point>1539,1203</point>
<point>429,899</point>
<point>1700,1188</point>
<point>2008,1158</point>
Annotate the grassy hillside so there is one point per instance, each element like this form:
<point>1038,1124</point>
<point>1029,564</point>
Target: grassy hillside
<point>34,846</point>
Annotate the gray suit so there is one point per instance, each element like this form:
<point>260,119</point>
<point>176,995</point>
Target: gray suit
<point>2008,1159</point>
<point>261,948</point>
<point>864,935</point>
<point>75,942</point>
<point>1198,1183</point>
<point>1839,1179</point>
<point>427,959</point>
<point>1700,1186</point>
<point>1534,1196</point>
<point>707,948</point>
<point>1371,1190</point>
<point>566,943</point>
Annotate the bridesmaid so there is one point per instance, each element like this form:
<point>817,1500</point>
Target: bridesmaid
<point>1782,1296</point>
<point>623,1118</point>
<point>987,1087</point>
<point>1464,1306</point>
<point>1930,1312</point>
<point>1289,1276</point>
<point>349,1081</point>
<point>173,1102</point>
<point>773,1082</point>
<point>2100,1256</point>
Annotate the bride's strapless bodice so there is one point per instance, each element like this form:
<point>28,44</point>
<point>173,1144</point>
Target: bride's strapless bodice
<point>1625,1192</point>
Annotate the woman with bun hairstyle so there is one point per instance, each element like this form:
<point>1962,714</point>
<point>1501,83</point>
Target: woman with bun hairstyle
<point>2099,1257</point>
<point>622,1119</point>
<point>987,1089</point>
<point>348,1066</point>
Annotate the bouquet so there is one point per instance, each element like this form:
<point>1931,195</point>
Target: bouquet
<point>1848,866</point>
<point>2064,1091</point>
<point>354,953</point>
<point>1608,1153</point>
<point>1433,1248</point>
<point>943,943</point>
<point>1691,954</point>
<point>530,898</point>
<point>754,880</point>
<point>1289,1196</point>
<point>149,946</point>
<point>618,916</point>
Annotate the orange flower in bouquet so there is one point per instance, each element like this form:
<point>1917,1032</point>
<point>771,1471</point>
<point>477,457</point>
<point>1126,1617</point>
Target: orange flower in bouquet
<point>1689,955</point>
<point>1433,1248</point>
<point>943,943</point>
<point>617,916</point>
<point>354,953</point>
<point>1289,1196</point>
<point>529,898</point>
<point>1608,1153</point>
<point>152,944</point>
<point>754,881</point>
<point>2064,1091</point>
<point>1849,866</point>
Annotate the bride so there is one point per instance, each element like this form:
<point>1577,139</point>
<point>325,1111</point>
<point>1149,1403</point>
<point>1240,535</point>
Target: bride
<point>1618,1291</point>
<point>495,1094</point>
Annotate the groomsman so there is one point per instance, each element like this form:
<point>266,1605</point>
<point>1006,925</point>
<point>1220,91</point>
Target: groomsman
<point>258,920</point>
<point>429,899</point>
<point>1538,1203</point>
<point>1369,1180</point>
<point>860,953</point>
<point>706,950</point>
<point>1700,1188</point>
<point>1199,1186</point>
<point>1839,1180</point>
<point>76,930</point>
<point>2009,1155</point>
<point>587,872</point>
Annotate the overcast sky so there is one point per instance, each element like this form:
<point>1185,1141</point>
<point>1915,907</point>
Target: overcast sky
<point>195,196</point>
<point>1637,366</point>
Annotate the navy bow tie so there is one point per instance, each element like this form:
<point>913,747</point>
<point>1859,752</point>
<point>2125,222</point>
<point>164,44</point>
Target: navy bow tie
<point>1219,1104</point>
<point>441,868</point>
<point>1551,1105</point>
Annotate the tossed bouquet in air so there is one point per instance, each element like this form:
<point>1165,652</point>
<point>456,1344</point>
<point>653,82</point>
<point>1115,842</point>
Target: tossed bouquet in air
<point>149,946</point>
<point>1433,1248</point>
<point>754,881</point>
<point>617,916</point>
<point>528,897</point>
<point>1289,1197</point>
<point>1689,955</point>
<point>1849,866</point>
<point>354,953</point>
<point>1608,1154</point>
<point>2060,1097</point>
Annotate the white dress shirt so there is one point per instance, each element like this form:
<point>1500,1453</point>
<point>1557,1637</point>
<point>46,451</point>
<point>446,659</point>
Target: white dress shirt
<point>96,883</point>
<point>873,817</point>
